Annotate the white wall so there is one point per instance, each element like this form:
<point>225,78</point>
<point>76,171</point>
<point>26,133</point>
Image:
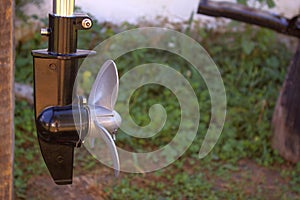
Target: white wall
<point>118,11</point>
<point>288,8</point>
<point>132,10</point>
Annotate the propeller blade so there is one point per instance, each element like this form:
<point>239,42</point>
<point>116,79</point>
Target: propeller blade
<point>103,120</point>
<point>105,88</point>
<point>111,145</point>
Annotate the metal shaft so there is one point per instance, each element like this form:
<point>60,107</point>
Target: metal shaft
<point>63,8</point>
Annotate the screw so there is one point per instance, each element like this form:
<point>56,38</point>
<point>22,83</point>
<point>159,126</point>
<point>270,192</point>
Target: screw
<point>45,31</point>
<point>52,67</point>
<point>87,23</point>
<point>60,159</point>
<point>84,101</point>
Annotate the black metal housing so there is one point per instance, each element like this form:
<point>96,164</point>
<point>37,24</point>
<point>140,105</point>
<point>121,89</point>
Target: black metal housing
<point>57,125</point>
<point>55,71</point>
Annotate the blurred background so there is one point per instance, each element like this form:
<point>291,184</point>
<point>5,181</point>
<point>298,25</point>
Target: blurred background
<point>253,62</point>
<point>175,10</point>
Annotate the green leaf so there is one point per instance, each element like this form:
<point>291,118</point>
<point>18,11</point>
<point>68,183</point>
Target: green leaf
<point>244,2</point>
<point>270,3</point>
<point>247,46</point>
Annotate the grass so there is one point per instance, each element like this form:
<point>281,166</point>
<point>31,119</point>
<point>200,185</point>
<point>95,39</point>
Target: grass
<point>253,64</point>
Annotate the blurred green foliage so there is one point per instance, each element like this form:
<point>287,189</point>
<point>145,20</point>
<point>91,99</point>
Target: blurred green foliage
<point>253,63</point>
<point>253,66</point>
<point>19,8</point>
<point>269,3</point>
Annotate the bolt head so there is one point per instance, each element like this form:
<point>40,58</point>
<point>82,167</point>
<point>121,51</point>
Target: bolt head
<point>45,32</point>
<point>84,101</point>
<point>87,23</point>
<point>52,67</point>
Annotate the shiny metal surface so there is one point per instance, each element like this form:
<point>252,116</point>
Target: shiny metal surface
<point>110,119</point>
<point>107,137</point>
<point>87,23</point>
<point>63,8</point>
<point>104,120</point>
<point>105,88</point>
<point>45,31</point>
<point>55,71</point>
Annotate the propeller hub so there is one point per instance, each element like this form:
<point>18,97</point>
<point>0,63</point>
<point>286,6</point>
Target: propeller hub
<point>109,119</point>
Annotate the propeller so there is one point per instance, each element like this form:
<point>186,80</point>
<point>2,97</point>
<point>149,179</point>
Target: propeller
<point>103,119</point>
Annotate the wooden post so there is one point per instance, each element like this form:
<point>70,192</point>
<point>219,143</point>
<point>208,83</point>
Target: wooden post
<point>286,118</point>
<point>7,98</point>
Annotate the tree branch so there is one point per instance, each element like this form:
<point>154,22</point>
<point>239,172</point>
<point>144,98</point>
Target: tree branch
<point>250,15</point>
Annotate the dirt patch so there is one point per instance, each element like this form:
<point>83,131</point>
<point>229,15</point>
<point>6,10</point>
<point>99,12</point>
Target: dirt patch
<point>246,177</point>
<point>254,179</point>
<point>85,187</point>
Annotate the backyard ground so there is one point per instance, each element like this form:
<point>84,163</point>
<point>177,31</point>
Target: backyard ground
<point>243,180</point>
